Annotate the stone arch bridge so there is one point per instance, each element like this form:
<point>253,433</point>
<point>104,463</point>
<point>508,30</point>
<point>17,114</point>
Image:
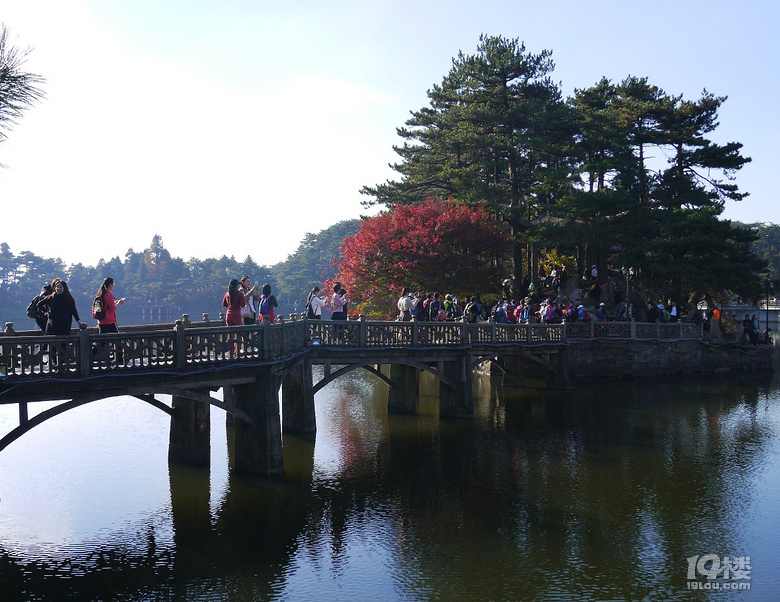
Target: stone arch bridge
<point>253,364</point>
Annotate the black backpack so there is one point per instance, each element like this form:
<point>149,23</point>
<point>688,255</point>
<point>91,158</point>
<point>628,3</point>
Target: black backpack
<point>98,308</point>
<point>33,311</point>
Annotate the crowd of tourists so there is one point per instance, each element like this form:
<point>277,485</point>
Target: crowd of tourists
<point>552,301</point>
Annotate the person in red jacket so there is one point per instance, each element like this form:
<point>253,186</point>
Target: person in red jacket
<point>108,322</point>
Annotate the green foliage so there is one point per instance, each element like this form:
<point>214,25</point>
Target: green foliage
<point>585,175</point>
<point>152,279</point>
<point>495,135</point>
<point>18,89</point>
<point>313,263</point>
<point>767,248</point>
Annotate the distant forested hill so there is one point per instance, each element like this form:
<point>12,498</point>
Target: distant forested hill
<point>165,287</point>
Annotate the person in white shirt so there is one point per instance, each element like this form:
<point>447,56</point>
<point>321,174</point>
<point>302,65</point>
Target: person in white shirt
<point>314,304</point>
<point>405,306</point>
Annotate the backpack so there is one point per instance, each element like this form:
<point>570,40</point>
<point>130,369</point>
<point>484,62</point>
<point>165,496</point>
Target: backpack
<point>449,310</point>
<point>435,309</point>
<point>265,305</point>
<point>98,308</point>
<point>548,313</point>
<point>309,310</point>
<point>33,311</point>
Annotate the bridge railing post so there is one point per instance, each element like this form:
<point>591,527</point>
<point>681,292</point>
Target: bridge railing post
<point>363,336</point>
<point>265,339</point>
<point>415,332</point>
<point>179,345</point>
<point>633,328</point>
<point>85,352</point>
<point>464,332</point>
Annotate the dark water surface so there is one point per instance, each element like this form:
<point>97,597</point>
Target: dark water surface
<point>599,493</point>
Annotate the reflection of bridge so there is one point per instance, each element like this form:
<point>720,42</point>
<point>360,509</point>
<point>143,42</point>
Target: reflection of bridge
<point>251,364</point>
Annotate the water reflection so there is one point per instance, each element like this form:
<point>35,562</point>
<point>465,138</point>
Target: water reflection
<point>601,492</point>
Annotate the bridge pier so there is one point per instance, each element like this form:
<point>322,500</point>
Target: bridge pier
<point>258,447</point>
<point>189,441</point>
<point>457,402</point>
<point>404,391</point>
<point>298,401</point>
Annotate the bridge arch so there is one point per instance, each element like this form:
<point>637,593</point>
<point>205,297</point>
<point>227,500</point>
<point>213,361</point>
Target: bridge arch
<point>369,367</point>
<point>146,395</point>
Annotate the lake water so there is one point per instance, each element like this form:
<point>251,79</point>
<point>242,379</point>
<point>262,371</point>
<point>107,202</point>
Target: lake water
<point>603,492</point>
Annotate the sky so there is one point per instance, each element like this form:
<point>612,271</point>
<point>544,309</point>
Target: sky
<point>236,127</point>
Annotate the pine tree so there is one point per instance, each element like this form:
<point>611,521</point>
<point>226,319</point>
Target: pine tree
<point>495,135</point>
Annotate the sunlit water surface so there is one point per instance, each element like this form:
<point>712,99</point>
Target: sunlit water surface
<point>598,493</point>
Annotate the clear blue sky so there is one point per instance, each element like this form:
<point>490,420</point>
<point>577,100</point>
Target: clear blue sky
<point>234,127</point>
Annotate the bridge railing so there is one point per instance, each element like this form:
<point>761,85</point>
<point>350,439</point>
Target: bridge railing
<point>88,353</point>
<point>194,344</point>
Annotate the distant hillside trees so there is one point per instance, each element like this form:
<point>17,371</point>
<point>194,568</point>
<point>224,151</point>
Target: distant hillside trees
<point>153,279</point>
<point>312,264</point>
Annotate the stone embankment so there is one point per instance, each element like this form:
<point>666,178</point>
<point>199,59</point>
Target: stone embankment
<point>638,358</point>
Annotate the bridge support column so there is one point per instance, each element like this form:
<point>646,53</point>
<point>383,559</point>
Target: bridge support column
<point>404,391</point>
<point>258,447</point>
<point>298,401</point>
<point>189,441</point>
<point>457,402</point>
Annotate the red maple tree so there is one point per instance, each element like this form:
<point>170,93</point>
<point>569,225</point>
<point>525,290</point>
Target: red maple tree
<point>439,246</point>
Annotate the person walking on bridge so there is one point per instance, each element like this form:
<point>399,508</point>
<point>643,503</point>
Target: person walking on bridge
<point>108,322</point>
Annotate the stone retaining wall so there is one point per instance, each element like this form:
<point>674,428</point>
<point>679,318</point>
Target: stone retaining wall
<point>638,358</point>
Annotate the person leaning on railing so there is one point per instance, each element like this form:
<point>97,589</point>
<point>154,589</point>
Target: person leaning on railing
<point>61,309</point>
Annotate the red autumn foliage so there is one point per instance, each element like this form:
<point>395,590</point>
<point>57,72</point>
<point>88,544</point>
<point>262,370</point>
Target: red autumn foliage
<point>439,246</point>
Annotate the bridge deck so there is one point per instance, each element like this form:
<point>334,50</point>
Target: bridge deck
<point>141,353</point>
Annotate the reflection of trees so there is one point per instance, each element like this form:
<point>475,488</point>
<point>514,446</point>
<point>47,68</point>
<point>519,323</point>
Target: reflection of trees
<point>94,571</point>
<point>595,492</point>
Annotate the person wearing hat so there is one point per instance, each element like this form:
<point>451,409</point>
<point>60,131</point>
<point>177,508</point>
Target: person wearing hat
<point>601,313</point>
<point>583,315</point>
